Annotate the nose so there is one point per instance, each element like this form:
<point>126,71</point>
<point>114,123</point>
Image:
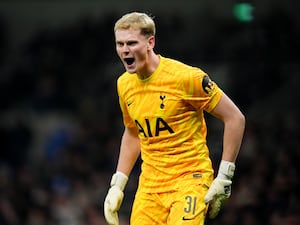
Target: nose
<point>125,48</point>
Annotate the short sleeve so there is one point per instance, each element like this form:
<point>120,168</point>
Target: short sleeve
<point>200,91</point>
<point>127,121</point>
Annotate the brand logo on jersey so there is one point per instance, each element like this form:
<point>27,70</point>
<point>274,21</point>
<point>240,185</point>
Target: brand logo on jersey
<point>184,218</point>
<point>146,129</point>
<point>207,85</point>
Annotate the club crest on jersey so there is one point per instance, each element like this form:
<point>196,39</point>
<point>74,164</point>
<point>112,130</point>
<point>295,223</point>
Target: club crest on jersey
<point>207,85</point>
<point>162,98</point>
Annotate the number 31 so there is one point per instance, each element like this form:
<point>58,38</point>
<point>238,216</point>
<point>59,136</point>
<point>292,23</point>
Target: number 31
<point>191,204</point>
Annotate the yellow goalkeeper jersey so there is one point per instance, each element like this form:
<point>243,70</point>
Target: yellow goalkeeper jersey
<point>167,109</point>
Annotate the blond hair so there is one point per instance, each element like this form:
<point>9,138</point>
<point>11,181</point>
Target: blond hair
<point>138,21</point>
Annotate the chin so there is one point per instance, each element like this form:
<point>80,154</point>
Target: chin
<point>131,70</point>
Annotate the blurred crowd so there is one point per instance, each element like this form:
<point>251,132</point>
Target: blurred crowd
<point>60,123</point>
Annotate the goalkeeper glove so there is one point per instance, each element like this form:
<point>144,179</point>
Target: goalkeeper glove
<point>114,198</point>
<point>220,188</point>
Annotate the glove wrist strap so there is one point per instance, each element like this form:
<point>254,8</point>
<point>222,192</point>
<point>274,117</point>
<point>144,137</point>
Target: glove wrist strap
<point>119,179</point>
<point>226,170</point>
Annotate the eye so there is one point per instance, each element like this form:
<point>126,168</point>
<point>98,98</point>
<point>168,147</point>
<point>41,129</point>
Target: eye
<point>132,43</point>
<point>119,44</point>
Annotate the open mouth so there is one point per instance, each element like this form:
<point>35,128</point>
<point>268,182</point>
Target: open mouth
<point>129,61</point>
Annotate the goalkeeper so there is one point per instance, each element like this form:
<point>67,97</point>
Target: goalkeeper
<point>163,103</point>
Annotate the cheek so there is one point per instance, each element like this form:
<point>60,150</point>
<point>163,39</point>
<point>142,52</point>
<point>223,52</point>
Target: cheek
<point>118,51</point>
<point>141,54</point>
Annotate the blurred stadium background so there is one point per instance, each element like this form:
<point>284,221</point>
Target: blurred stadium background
<point>60,123</point>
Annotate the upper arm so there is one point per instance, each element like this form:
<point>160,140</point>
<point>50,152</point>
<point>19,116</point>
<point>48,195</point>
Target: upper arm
<point>130,139</point>
<point>226,109</point>
<point>131,132</point>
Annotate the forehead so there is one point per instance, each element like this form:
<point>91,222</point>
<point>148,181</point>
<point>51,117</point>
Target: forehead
<point>128,34</point>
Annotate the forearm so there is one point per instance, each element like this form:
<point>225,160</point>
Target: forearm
<point>129,151</point>
<point>233,135</point>
<point>220,189</point>
<point>234,125</point>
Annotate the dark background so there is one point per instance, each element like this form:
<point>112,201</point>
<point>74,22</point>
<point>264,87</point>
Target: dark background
<point>60,123</point>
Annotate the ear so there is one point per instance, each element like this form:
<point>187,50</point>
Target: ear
<point>151,42</point>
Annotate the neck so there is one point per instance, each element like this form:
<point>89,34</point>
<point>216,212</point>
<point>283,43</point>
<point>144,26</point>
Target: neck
<point>151,65</point>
